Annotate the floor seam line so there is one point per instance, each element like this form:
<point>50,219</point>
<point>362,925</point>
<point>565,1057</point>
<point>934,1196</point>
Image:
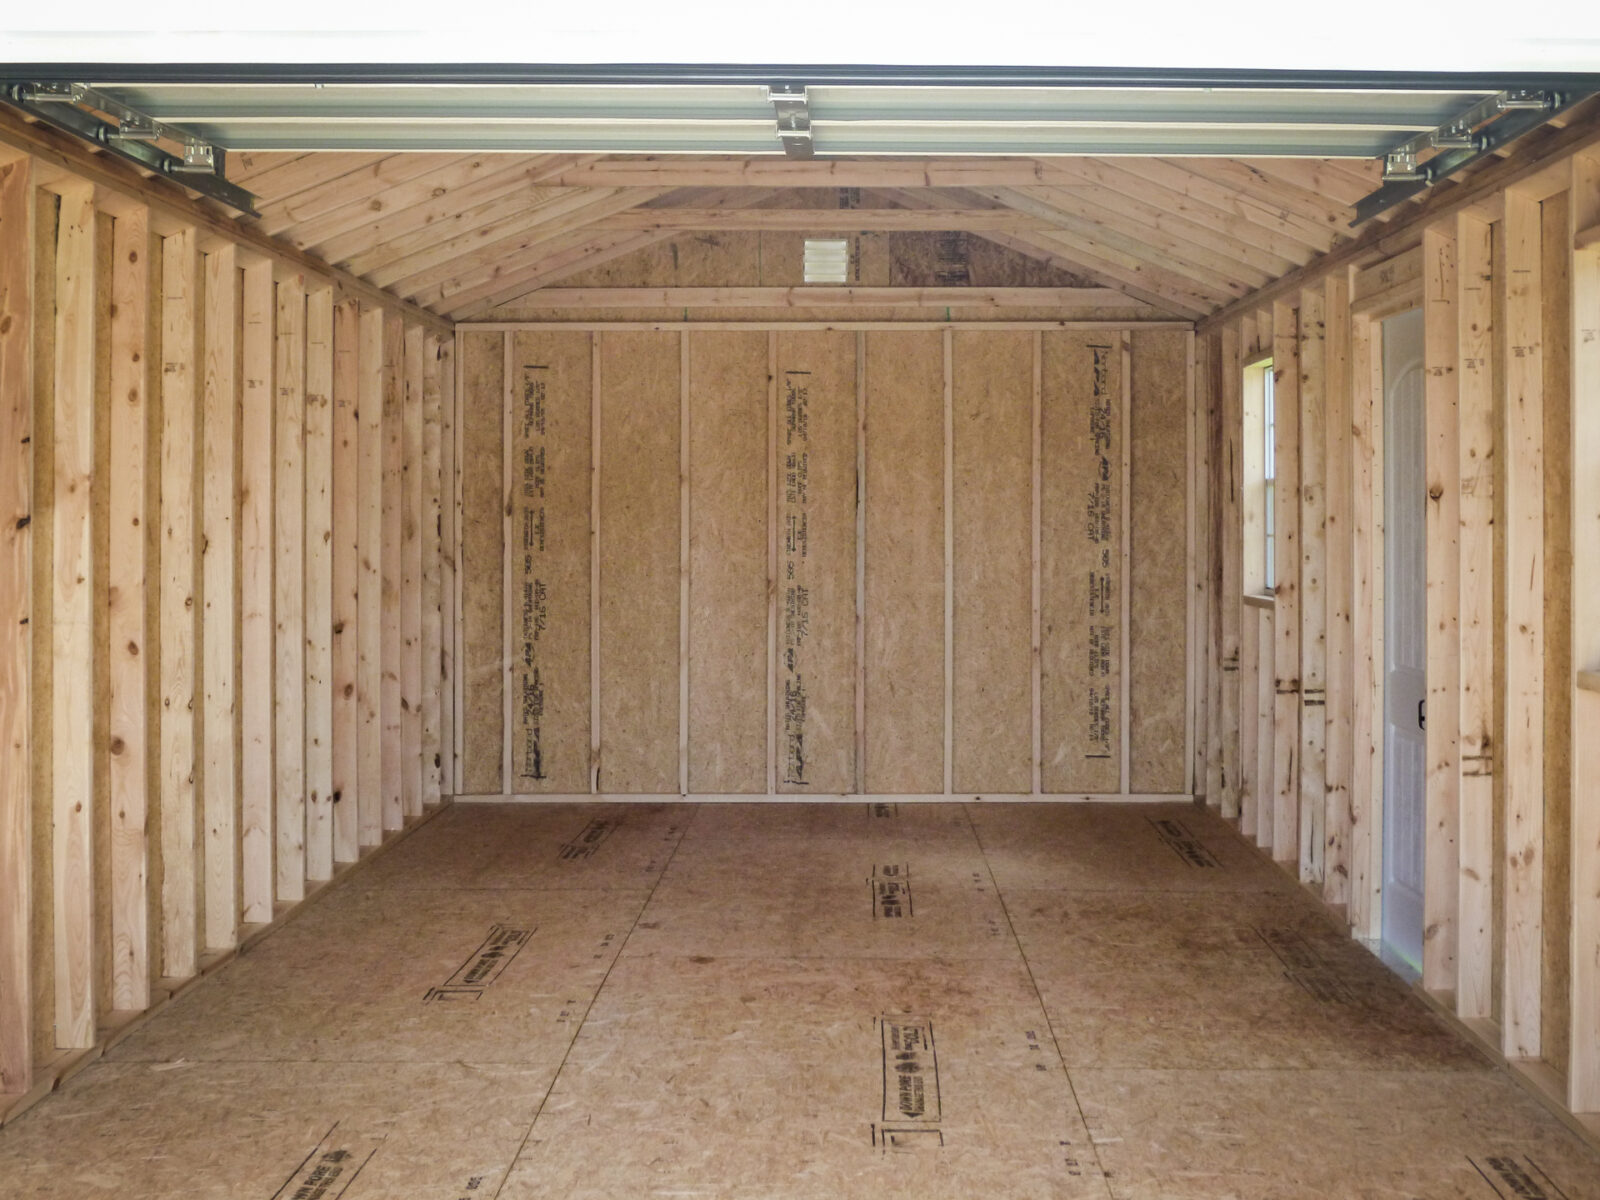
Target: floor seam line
<point>1044,1011</point>
<point>593,1000</point>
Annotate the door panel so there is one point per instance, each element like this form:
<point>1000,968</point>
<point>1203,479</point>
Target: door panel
<point>1405,636</point>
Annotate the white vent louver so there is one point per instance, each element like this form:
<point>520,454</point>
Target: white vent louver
<point>827,261</point>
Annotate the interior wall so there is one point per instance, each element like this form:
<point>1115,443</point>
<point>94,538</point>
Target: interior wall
<point>817,557</point>
<point>1509,286</point>
<point>189,519</point>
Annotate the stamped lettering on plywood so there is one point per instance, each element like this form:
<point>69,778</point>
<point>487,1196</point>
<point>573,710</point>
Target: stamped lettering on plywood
<point>487,963</point>
<point>331,1167</point>
<point>1181,841</point>
<point>1521,1178</point>
<point>891,892</point>
<point>794,459</point>
<point>1104,597</point>
<point>910,1073</point>
<point>529,575</point>
<point>588,842</point>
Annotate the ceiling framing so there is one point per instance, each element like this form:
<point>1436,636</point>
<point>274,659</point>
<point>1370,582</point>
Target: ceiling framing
<point>461,234</point>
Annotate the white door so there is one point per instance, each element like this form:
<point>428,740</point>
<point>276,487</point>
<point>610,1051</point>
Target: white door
<point>1404,637</point>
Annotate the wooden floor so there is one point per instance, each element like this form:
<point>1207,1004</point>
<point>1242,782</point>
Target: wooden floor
<point>821,1001</point>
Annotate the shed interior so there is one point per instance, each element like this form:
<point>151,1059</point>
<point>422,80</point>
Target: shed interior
<point>514,447</point>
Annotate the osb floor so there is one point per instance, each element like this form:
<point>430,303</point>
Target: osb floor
<point>801,1001</point>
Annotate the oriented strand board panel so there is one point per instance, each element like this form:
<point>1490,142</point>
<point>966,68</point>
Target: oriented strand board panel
<point>639,567</point>
<point>728,522</point>
<point>1080,562</point>
<point>1158,609</point>
<point>816,562</point>
<point>993,574</point>
<point>1556,338</point>
<point>904,616</point>
<point>547,558</point>
<point>482,404</point>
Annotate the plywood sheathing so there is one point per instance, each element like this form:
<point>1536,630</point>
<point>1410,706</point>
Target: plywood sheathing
<point>1080,563</point>
<point>1060,1055</point>
<point>482,406</point>
<point>816,562</point>
<point>728,506</point>
<point>904,611</point>
<point>547,615</point>
<point>992,696</point>
<point>639,561</point>
<point>1158,584</point>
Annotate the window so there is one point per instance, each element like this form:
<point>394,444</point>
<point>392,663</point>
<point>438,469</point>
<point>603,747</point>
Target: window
<point>1260,471</point>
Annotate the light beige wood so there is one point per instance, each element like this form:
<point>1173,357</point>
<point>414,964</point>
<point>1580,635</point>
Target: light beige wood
<point>219,616</point>
<point>547,612</point>
<point>288,593</point>
<point>1382,239</point>
<point>1231,465</point>
<point>948,508</point>
<point>639,562</point>
<point>433,678</point>
<point>540,225</point>
<point>861,563</point>
<point>1366,624</point>
<point>1586,239</point>
<point>129,728</point>
<point>1312,844</point>
<point>1338,654</point>
<point>1125,582</point>
<point>1285,664</point>
<point>1522,438</point>
<point>1266,622</point>
<point>684,461</point>
<point>1443,731</point>
<point>348,188</point>
<point>818,220</point>
<point>820,296</point>
<point>1112,229</point>
<point>180,285</point>
<point>1205,647</point>
<point>172,208</point>
<point>345,719</point>
<point>411,768</point>
<point>774,475</point>
<point>495,200</point>
<point>1080,562</point>
<point>1192,573</point>
<point>391,573</point>
<point>1475,407</point>
<point>17,198</point>
<point>1390,286</point>
<point>769,172</point>
<point>1035,585</point>
<point>256,598</point>
<point>73,623</point>
<point>372,383</point>
<point>450,582</point>
<point>816,573</point>
<point>482,555</point>
<point>992,401</point>
<point>1252,543</point>
<point>728,548</point>
<point>596,429</point>
<point>809,326</point>
<point>1583,1064</point>
<point>319,600</point>
<point>1251,785</point>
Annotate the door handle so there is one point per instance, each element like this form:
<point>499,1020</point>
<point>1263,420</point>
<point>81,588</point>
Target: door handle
<point>1422,713</point>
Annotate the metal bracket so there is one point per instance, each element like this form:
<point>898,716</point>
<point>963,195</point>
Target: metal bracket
<point>794,119</point>
<point>1474,135</point>
<point>79,109</point>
